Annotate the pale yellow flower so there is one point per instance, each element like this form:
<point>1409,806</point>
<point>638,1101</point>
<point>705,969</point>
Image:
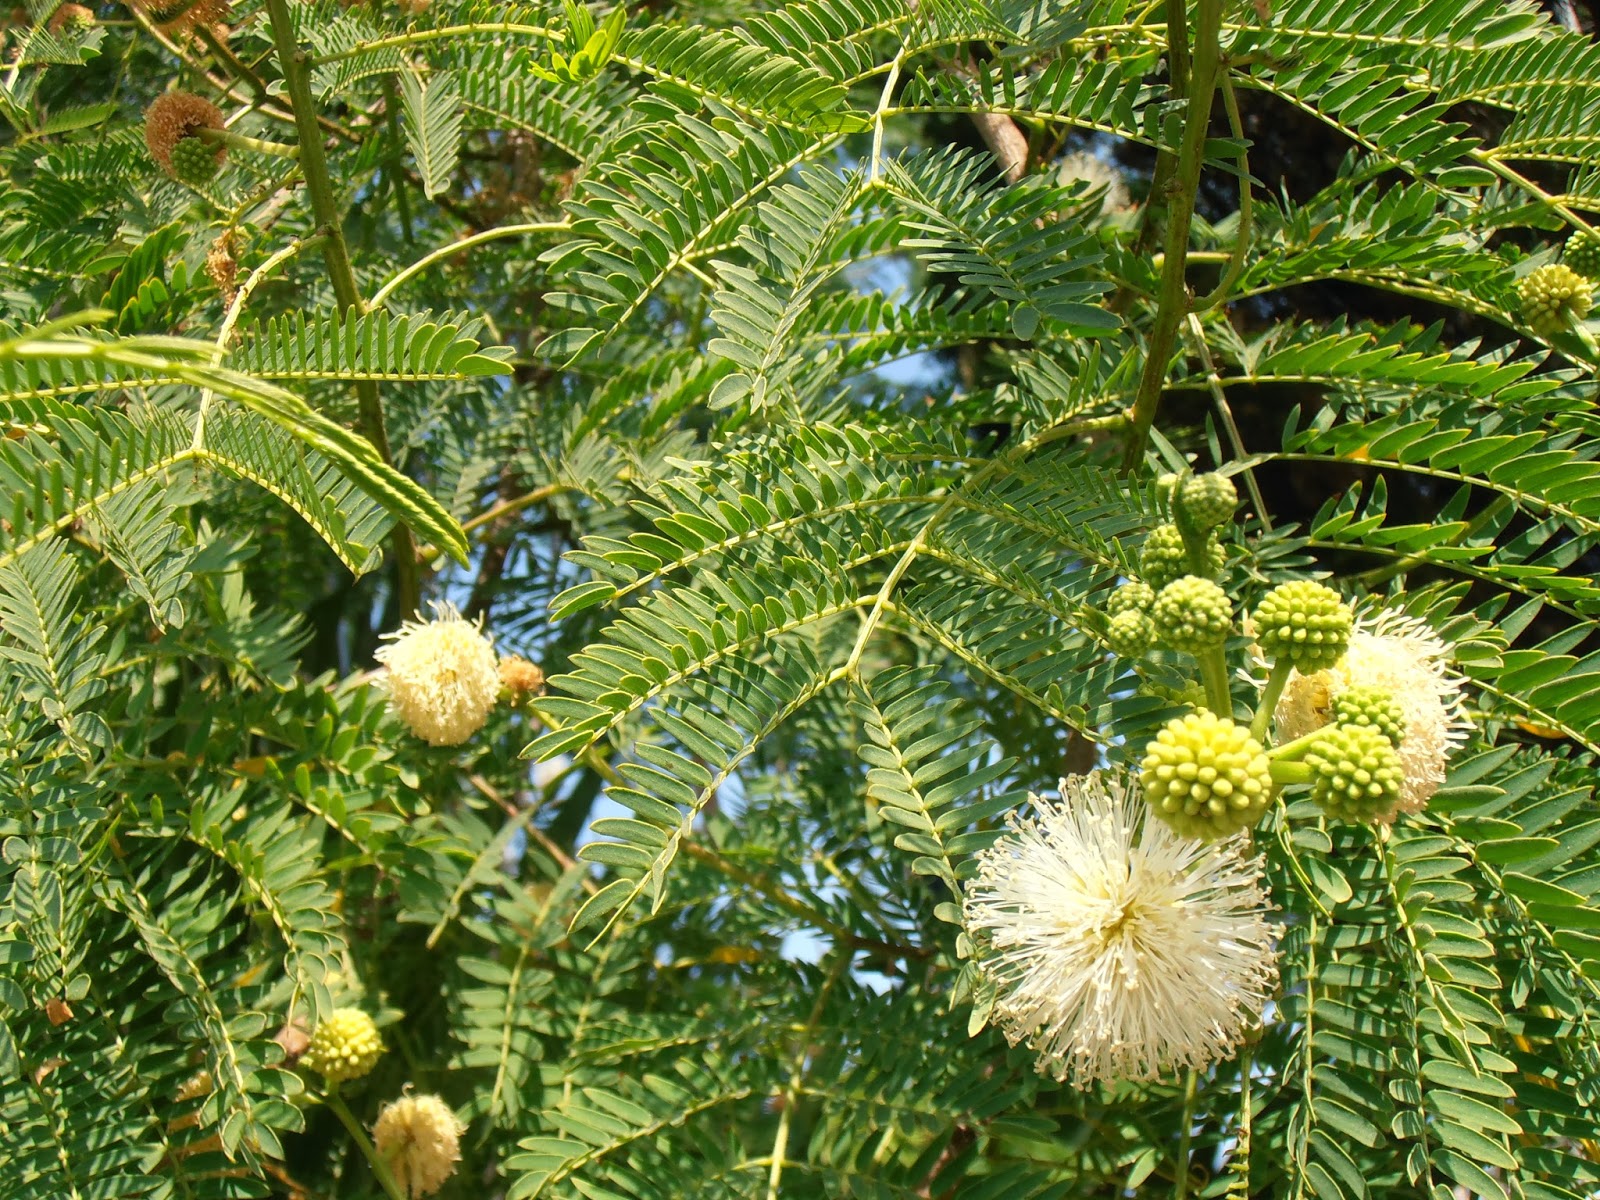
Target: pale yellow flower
<point>1118,949</point>
<point>442,678</point>
<point>419,1138</point>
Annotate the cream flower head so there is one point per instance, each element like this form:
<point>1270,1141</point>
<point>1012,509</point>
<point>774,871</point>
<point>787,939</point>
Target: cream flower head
<point>1120,950</point>
<point>1400,655</point>
<point>419,1138</point>
<point>442,677</point>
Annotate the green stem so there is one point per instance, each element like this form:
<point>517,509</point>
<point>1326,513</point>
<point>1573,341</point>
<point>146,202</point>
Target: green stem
<point>313,162</point>
<point>1289,772</point>
<point>1241,240</point>
<point>1185,1132</point>
<point>239,141</point>
<point>461,244</point>
<point>340,1109</point>
<point>1291,751</point>
<point>1172,303</point>
<point>1276,681</point>
<point>1214,674</point>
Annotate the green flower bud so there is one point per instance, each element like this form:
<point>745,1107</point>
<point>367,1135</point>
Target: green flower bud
<point>1371,708</point>
<point>1356,774</point>
<point>1131,633</point>
<point>1208,500</point>
<point>345,1046</point>
<point>195,162</point>
<point>1582,254</point>
<point>1164,558</point>
<point>1206,776</point>
<point>1131,597</point>
<point>1554,298</point>
<point>1306,622</point>
<point>1192,614</point>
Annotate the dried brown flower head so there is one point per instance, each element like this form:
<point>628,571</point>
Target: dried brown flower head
<point>180,16</point>
<point>70,16</point>
<point>520,677</point>
<point>175,116</point>
<point>223,267</point>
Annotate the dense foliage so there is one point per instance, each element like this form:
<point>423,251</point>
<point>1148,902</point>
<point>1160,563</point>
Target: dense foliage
<point>792,385</point>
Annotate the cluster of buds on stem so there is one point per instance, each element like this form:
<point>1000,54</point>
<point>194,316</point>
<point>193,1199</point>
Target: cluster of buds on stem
<point>1213,772</point>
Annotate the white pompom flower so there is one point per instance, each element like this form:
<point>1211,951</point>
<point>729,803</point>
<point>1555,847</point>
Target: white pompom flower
<point>1120,951</point>
<point>1400,655</point>
<point>442,676</point>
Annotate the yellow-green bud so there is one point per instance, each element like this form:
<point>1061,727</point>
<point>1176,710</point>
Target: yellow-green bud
<point>1307,623</point>
<point>1554,298</point>
<point>195,162</point>
<point>1371,708</point>
<point>1207,500</point>
<point>1131,597</point>
<point>1206,776</point>
<point>1192,614</point>
<point>1165,559</point>
<point>1356,774</point>
<point>1130,633</point>
<point>345,1046</point>
<point>1582,254</point>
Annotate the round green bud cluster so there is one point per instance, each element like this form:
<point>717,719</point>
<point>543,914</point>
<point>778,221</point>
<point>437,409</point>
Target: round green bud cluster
<point>1582,254</point>
<point>1131,633</point>
<point>1207,500</point>
<point>345,1046</point>
<point>1305,622</point>
<point>195,162</point>
<point>1165,559</point>
<point>1356,774</point>
<point>1371,708</point>
<point>1206,776</point>
<point>1192,614</point>
<point>1130,597</point>
<point>1554,297</point>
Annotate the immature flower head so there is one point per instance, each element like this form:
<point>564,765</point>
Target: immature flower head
<point>520,677</point>
<point>1582,254</point>
<point>344,1046</point>
<point>1130,597</point>
<point>1206,776</point>
<point>1371,708</point>
<point>1164,558</point>
<point>1554,297</point>
<point>1207,500</point>
<point>1307,623</point>
<point>1356,774</point>
<point>442,677</point>
<point>419,1138</point>
<point>1401,656</point>
<point>1192,614</point>
<point>171,122</point>
<point>1130,633</point>
<point>1120,950</point>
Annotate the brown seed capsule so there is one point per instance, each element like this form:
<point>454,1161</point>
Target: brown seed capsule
<point>175,116</point>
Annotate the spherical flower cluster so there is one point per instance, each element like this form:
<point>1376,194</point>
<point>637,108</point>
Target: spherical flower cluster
<point>442,678</point>
<point>1554,297</point>
<point>171,121</point>
<point>1098,174</point>
<point>1192,614</point>
<point>519,676</point>
<point>1403,657</point>
<point>345,1046</point>
<point>1206,776</point>
<point>1371,708</point>
<point>1356,774</point>
<point>1305,622</point>
<point>1165,559</point>
<point>1207,501</point>
<point>419,1139</point>
<point>1130,633</point>
<point>1130,597</point>
<point>71,18</point>
<point>180,16</point>
<point>1582,254</point>
<point>1120,950</point>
